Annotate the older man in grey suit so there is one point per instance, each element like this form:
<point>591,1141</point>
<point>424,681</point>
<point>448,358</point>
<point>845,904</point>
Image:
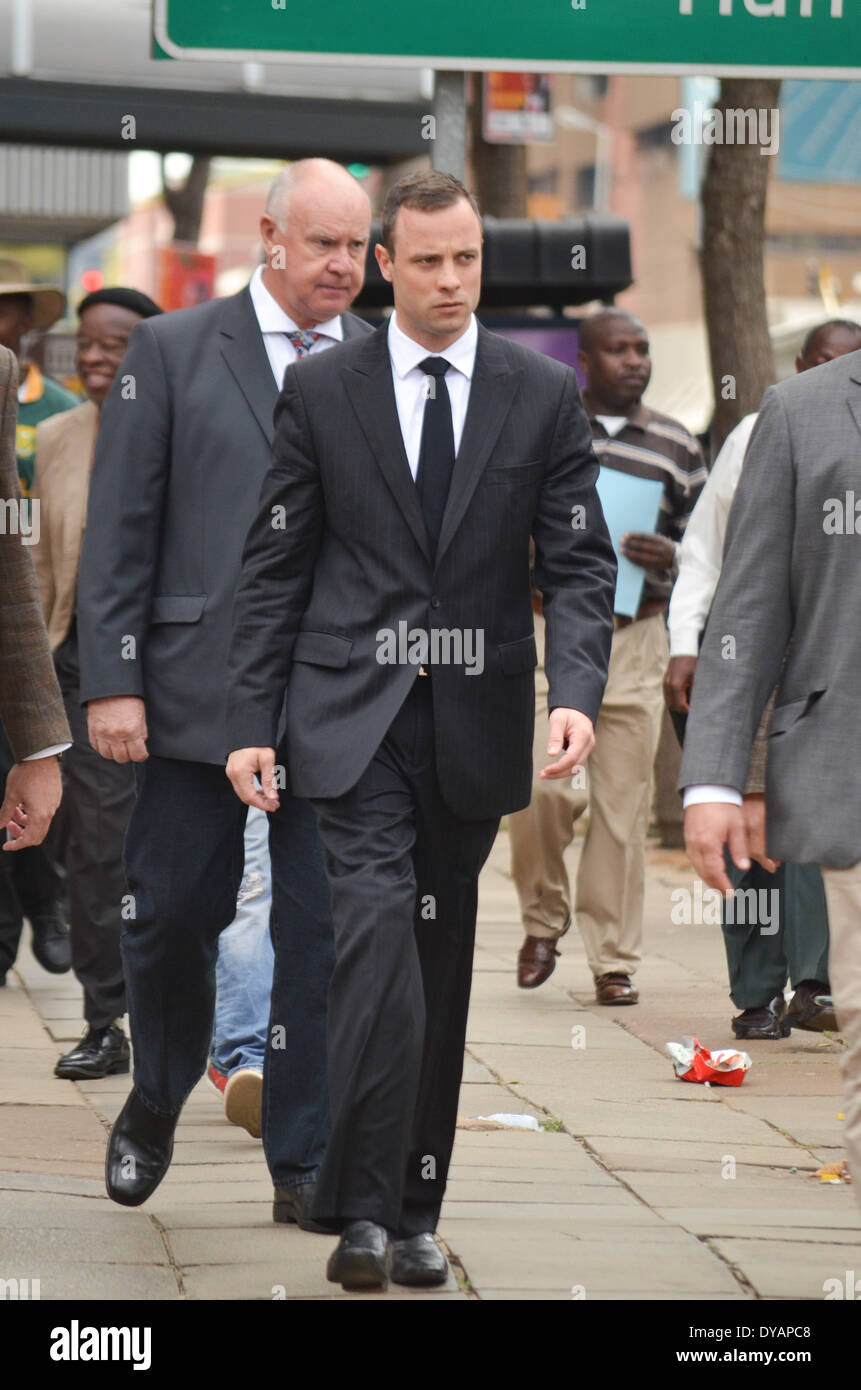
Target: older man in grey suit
<point>183,447</point>
<point>791,579</point>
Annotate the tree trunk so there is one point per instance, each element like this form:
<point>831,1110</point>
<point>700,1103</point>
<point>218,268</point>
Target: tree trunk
<point>733,205</point>
<point>498,171</point>
<point>185,203</point>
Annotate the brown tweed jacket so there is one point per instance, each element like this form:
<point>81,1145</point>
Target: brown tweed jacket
<point>31,706</point>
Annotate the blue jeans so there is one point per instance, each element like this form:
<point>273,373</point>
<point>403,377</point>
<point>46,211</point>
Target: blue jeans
<point>243,972</point>
<point>184,863</point>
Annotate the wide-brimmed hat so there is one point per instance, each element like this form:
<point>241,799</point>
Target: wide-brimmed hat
<point>49,301</point>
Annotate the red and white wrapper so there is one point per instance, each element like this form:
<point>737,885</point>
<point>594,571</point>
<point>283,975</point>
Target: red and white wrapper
<point>693,1062</point>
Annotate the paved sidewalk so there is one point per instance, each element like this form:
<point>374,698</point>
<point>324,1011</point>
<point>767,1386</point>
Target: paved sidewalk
<point>630,1194</point>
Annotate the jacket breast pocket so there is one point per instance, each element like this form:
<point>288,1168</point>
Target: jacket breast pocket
<point>322,649</point>
<point>513,474</point>
<point>177,608</point>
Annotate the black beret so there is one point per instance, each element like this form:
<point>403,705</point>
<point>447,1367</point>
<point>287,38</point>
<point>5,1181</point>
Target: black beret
<point>126,299</point>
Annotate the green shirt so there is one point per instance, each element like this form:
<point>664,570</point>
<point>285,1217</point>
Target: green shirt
<point>38,398</point>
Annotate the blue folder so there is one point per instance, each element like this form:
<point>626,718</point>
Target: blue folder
<point>630,504</point>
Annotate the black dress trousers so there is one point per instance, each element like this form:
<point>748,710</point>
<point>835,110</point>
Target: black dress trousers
<point>404,877</point>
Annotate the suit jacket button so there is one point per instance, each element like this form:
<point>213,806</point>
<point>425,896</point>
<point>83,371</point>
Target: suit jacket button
<point>434,602</point>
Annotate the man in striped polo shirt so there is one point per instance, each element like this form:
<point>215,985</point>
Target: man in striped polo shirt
<point>631,438</point>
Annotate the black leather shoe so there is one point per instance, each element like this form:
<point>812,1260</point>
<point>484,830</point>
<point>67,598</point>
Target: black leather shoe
<point>293,1205</point>
<point>101,1052</point>
<point>51,945</point>
<point>139,1152</point>
<point>418,1261</point>
<point>767,1022</point>
<point>363,1259</point>
<point>806,1014</point>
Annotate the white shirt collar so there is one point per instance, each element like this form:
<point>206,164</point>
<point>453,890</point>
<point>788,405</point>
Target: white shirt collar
<point>272,318</point>
<point>406,353</point>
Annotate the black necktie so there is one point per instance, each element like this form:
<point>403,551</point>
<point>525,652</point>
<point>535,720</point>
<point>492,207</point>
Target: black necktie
<point>436,454</point>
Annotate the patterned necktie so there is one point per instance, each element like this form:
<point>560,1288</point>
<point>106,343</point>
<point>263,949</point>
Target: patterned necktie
<point>302,341</point>
<point>436,453</point>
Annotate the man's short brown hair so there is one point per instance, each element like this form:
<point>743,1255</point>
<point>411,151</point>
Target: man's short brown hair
<point>427,191</point>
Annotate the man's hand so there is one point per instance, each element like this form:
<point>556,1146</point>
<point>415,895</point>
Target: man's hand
<point>579,731</point>
<point>242,767</point>
<point>708,827</point>
<point>679,682</point>
<point>651,552</point>
<point>753,808</point>
<point>117,727</point>
<point>33,792</point>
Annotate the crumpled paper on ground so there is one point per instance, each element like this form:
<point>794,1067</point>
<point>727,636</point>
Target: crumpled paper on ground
<point>833,1172</point>
<point>693,1062</point>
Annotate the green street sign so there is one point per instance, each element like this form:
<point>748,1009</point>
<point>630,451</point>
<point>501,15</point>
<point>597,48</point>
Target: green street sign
<point>789,38</point>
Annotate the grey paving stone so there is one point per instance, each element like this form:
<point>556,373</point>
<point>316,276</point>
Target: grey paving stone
<point>44,1247</point>
<point>191,1215</point>
<point>174,1190</point>
<point>707,1218</point>
<point>261,1244</point>
<point>794,1270</point>
<point>776,1188</point>
<point>50,1182</point>
<point>113,1282</point>
<point>576,1217</point>
<point>257,1281</point>
<point>595,1265</point>
<point>548,1194</point>
<point>603,1296</point>
<point>62,1211</point>
<point>241,1170</point>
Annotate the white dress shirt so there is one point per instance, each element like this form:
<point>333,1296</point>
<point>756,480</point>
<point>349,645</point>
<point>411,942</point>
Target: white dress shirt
<point>700,565</point>
<point>274,323</point>
<point>411,384</point>
<point>701,551</point>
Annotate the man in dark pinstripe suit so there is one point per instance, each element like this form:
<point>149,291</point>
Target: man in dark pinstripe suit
<point>391,548</point>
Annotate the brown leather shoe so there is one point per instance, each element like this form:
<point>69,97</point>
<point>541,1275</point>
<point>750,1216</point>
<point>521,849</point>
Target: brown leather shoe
<point>536,961</point>
<point>615,989</point>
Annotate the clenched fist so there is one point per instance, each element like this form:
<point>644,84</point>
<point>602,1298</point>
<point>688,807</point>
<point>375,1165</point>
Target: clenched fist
<point>117,727</point>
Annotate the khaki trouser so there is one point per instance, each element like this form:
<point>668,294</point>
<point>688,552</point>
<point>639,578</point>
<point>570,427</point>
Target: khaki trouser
<point>616,787</point>
<point>843,895</point>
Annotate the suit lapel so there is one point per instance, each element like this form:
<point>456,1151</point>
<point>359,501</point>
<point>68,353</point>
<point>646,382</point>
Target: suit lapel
<point>855,394</point>
<point>244,352</point>
<point>368,382</point>
<point>492,392</point>
<point>354,327</point>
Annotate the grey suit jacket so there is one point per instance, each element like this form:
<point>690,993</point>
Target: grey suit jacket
<point>183,446</point>
<point>791,575</point>
<point>350,559</point>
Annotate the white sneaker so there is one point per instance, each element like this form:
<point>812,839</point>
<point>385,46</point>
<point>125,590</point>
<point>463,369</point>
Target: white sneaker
<point>243,1099</point>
